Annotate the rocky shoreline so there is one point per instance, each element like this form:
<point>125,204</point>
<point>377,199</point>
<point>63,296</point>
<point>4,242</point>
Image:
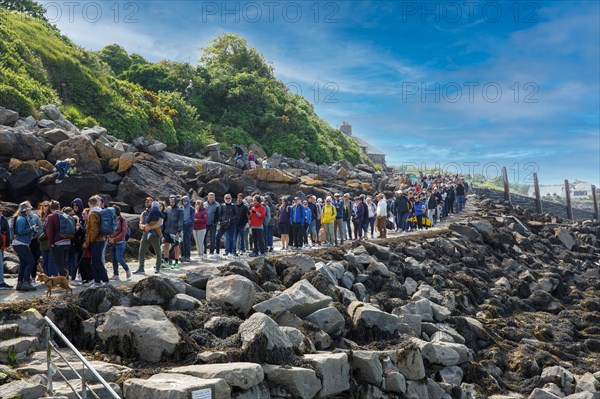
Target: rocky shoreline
<point>500,304</point>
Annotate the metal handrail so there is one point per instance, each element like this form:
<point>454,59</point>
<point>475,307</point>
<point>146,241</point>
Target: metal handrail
<point>50,364</point>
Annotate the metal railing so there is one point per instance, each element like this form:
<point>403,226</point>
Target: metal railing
<point>53,368</point>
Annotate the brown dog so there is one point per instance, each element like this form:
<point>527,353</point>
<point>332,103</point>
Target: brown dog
<point>52,282</point>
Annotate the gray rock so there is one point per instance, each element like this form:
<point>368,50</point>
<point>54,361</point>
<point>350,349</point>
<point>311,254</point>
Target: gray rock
<point>298,340</point>
<point>558,375</point>
<point>410,362</point>
<point>469,232</point>
<point>361,292</point>
<point>27,123</point>
<point>8,331</point>
<point>394,382</point>
<point>199,276</point>
<point>305,263</point>
<point>17,349</point>
<point>378,269</point>
<point>347,280</point>
<point>367,367</point>
<point>437,352</point>
<point>434,390</point>
<point>33,388</point>
<point>55,136</point>
<point>416,390</point>
<point>260,391</point>
<point>410,285</point>
<point>421,307</point>
<point>565,237</point>
<point>37,365</point>
<point>301,299</point>
<point>52,112</point>
<point>31,323</point>
<point>173,386</point>
<point>328,319</point>
<point>262,338</point>
<point>155,147</point>
<point>334,371</point>
<point>233,292</point>
<point>539,393</point>
<point>144,329</point>
<point>451,375</point>
<point>239,375</point>
<point>46,124</point>
<point>183,302</point>
<point>8,117</point>
<point>213,147</point>
<point>300,382</point>
<point>413,321</point>
<point>368,316</point>
<point>587,383</point>
<point>62,390</point>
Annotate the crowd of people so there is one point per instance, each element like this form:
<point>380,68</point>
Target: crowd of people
<point>72,241</point>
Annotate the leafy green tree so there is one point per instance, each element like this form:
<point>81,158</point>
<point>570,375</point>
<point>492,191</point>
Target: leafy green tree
<point>29,7</point>
<point>116,57</point>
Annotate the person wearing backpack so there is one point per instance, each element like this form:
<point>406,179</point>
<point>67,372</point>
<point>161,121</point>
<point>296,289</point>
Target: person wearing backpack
<point>401,209</point>
<point>60,228</point>
<point>23,233</point>
<point>189,212</point>
<point>96,242</point>
<point>4,243</point>
<point>117,242</point>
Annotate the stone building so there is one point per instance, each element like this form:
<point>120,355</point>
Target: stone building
<point>375,154</point>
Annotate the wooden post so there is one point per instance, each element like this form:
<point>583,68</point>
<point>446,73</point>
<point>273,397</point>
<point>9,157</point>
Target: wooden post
<point>538,200</point>
<point>506,188</point>
<point>595,202</point>
<point>568,200</point>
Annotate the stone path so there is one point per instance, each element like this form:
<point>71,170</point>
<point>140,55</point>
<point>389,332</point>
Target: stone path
<point>14,296</point>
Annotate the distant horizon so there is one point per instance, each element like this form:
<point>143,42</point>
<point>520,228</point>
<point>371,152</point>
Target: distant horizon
<point>516,84</point>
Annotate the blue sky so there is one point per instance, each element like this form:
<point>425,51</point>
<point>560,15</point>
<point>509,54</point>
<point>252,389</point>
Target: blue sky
<point>469,84</point>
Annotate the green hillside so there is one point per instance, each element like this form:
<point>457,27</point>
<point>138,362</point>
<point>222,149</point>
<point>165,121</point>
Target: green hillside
<point>231,96</point>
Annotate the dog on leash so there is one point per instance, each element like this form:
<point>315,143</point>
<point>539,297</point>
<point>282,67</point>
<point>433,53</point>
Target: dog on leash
<point>53,282</point>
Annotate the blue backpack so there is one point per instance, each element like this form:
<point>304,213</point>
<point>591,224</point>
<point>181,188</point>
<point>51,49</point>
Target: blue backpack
<point>108,221</point>
<point>67,226</point>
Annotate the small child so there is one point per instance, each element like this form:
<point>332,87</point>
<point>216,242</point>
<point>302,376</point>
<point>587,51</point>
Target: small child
<point>62,168</point>
<point>154,219</point>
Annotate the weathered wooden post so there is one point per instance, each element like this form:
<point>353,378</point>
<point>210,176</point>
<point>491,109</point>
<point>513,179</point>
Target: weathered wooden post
<point>595,202</point>
<point>568,200</point>
<point>506,188</point>
<point>538,199</point>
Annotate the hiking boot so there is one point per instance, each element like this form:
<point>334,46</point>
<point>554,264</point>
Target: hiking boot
<point>19,286</point>
<point>139,271</point>
<point>27,286</point>
<point>4,286</point>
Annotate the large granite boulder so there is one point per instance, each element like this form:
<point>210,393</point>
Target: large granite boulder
<point>80,148</point>
<point>145,179</point>
<point>19,143</point>
<point>144,332</point>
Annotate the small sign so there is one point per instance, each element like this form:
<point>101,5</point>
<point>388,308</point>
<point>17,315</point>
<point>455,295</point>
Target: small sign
<point>202,394</point>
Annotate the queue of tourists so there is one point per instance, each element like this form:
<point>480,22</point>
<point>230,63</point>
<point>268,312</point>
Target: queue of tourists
<point>72,240</point>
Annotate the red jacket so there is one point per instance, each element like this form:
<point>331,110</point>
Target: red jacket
<point>120,233</point>
<point>257,215</point>
<point>200,219</point>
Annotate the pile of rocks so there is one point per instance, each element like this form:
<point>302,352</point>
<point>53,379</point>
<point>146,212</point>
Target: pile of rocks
<point>501,306</point>
<point>126,173</point>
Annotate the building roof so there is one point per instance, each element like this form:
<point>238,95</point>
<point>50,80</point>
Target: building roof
<point>371,150</point>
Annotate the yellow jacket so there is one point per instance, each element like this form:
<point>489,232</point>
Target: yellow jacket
<point>328,214</point>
